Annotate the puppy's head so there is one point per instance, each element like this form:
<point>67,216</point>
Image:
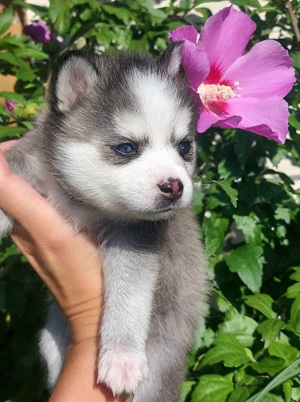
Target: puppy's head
<point>122,133</point>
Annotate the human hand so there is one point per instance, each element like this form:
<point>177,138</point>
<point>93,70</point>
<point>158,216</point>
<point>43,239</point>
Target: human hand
<point>67,262</point>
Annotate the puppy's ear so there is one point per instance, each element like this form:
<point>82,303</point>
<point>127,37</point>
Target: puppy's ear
<point>75,76</point>
<point>171,58</point>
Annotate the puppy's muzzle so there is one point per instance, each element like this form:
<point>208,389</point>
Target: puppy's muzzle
<point>171,189</point>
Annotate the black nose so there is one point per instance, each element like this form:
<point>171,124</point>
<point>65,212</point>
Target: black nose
<point>172,189</point>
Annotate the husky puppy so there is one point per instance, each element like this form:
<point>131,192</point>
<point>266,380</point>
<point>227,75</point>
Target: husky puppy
<point>114,152</point>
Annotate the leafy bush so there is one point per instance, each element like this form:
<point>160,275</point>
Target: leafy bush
<point>248,349</point>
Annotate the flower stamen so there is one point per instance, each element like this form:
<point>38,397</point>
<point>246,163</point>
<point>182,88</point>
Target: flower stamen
<point>216,92</point>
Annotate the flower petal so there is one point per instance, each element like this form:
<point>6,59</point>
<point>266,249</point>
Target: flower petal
<point>195,64</point>
<point>265,117</point>
<point>224,38</point>
<point>38,31</point>
<point>187,32</point>
<point>207,119</point>
<point>265,71</point>
<point>10,106</point>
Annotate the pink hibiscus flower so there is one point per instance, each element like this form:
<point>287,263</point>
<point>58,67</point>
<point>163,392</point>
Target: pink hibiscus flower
<point>237,90</point>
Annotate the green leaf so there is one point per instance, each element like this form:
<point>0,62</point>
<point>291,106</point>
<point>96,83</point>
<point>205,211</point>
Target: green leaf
<point>185,389</point>
<point>270,365</point>
<point>272,398</point>
<point>284,177</point>
<point>286,352</point>
<point>60,14</point>
<point>296,275</point>
<point>212,388</point>
<point>295,315</point>
<point>263,303</point>
<point>293,121</point>
<point>11,131</point>
<point>158,14</point>
<point>12,96</point>
<point>287,389</point>
<point>238,395</point>
<point>281,356</point>
<point>241,327</point>
<point>9,58</point>
<point>82,31</point>
<point>228,350</point>
<point>140,45</point>
<point>105,35</point>
<point>25,72</point>
<point>296,394</point>
<point>223,303</point>
<point>198,196</point>
<point>32,53</point>
<point>250,227</point>
<point>269,330</point>
<point>293,291</point>
<point>252,3</point>
<point>246,262</point>
<point>121,13</point>
<point>8,39</point>
<point>6,19</point>
<point>231,192</point>
<point>214,236</point>
<point>283,213</point>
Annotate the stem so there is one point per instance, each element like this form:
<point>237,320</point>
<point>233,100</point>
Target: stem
<point>294,21</point>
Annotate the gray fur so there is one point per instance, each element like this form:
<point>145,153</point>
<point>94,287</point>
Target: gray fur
<point>154,268</point>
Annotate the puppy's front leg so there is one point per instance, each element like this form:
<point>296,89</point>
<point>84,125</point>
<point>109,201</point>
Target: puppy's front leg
<point>130,271</point>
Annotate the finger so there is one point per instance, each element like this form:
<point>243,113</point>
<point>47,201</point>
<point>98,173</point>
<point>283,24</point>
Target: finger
<point>4,146</point>
<point>23,203</point>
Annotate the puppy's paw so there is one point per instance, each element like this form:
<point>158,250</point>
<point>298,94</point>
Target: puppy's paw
<point>6,223</point>
<point>122,371</point>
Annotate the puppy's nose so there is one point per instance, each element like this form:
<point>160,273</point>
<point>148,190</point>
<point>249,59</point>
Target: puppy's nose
<point>171,189</point>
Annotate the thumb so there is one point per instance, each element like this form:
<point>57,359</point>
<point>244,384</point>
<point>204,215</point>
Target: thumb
<point>4,167</point>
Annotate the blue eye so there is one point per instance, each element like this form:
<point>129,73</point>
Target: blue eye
<point>184,147</point>
<point>126,148</point>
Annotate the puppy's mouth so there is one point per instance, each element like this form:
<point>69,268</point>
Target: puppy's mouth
<point>159,214</point>
<point>162,210</point>
<point>165,205</point>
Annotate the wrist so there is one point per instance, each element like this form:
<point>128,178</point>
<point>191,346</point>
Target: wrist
<point>78,381</point>
<point>84,320</point>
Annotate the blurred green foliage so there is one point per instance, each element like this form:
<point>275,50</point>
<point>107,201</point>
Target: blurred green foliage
<point>249,346</point>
